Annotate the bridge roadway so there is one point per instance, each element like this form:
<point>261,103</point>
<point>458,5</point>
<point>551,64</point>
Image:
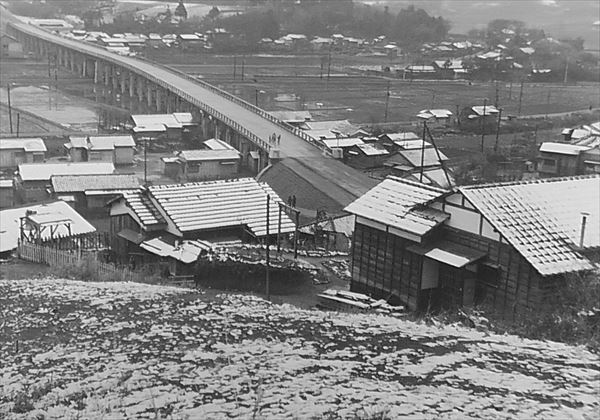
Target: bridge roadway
<point>348,182</point>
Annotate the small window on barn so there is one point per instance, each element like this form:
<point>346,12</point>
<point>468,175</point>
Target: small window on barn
<point>549,162</point>
<point>194,168</point>
<point>489,274</point>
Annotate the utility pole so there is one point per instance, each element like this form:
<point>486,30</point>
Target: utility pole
<point>243,65</point>
<point>520,97</point>
<point>387,102</point>
<point>433,99</point>
<point>9,109</point>
<point>234,66</point>
<point>18,122</point>
<point>145,161</point>
<point>497,95</point>
<point>329,64</point>
<point>566,71</point>
<point>510,91</point>
<point>548,103</point>
<point>498,129</point>
<point>268,257</point>
<point>483,124</point>
<point>423,151</point>
<point>458,115</point>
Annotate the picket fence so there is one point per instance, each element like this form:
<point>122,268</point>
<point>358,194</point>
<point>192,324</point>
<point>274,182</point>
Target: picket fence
<point>60,258</point>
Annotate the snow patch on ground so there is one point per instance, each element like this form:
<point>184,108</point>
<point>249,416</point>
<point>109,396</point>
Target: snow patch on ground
<point>117,350</point>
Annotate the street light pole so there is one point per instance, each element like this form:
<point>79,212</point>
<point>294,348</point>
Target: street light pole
<point>483,124</point>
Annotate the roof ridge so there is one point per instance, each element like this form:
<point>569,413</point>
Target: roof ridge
<point>417,184</point>
<point>527,182</point>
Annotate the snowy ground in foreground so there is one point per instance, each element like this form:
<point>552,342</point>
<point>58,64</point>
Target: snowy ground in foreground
<point>114,350</point>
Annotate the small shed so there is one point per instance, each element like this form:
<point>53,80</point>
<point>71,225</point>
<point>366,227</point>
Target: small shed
<point>201,165</point>
<point>14,151</point>
<point>116,149</point>
<point>365,156</point>
<point>436,117</point>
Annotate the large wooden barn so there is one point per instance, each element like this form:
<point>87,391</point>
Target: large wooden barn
<point>511,243</point>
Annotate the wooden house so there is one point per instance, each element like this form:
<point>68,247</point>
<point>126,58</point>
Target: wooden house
<point>91,193</point>
<point>563,159</point>
<point>207,211</point>
<point>32,182</point>
<point>14,151</point>
<point>366,156</point>
<point>116,149</point>
<point>10,47</point>
<point>202,165</point>
<point>436,117</point>
<point>510,244</point>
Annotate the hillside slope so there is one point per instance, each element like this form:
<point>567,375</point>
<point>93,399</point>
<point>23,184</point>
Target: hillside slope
<point>114,350</point>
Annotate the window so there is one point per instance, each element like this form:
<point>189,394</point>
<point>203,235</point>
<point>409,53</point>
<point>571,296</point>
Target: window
<point>549,162</point>
<point>193,168</point>
<point>489,274</point>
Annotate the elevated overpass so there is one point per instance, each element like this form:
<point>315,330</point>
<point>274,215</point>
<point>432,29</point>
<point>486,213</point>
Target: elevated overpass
<point>221,114</point>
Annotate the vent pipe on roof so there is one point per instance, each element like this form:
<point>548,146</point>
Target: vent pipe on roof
<point>584,216</point>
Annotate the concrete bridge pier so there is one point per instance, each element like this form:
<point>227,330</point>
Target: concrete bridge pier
<point>131,85</point>
<point>84,68</point>
<point>105,74</point>
<point>140,89</point>
<point>149,95</point>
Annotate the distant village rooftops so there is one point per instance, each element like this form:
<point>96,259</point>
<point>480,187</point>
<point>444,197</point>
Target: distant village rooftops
<point>203,155</point>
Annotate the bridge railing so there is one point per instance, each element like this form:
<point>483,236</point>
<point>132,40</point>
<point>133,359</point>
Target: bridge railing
<point>207,108</point>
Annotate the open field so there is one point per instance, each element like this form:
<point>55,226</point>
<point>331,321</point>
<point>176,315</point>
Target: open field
<point>124,350</point>
<point>293,82</point>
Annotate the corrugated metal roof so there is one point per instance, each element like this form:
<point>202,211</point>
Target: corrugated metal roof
<point>397,203</point>
<point>73,183</point>
<point>562,148</point>
<point>221,204</point>
<point>542,219</point>
<point>58,210</point>
<point>44,171</point>
<point>144,209</point>
<point>27,144</point>
<point>204,155</point>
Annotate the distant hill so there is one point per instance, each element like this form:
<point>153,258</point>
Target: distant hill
<point>558,18</point>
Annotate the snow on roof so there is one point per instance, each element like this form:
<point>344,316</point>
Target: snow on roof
<point>527,50</point>
<point>216,144</point>
<point>44,171</point>
<point>110,142</point>
<point>168,120</point>
<point>343,126</point>
<point>189,37</point>
<point>542,219</point>
<point>27,144</point>
<point>220,204</point>
<point>206,155</point>
<point>449,64</point>
<point>421,69</point>
<point>186,251</point>
<point>6,183</point>
<point>150,128</point>
<point>489,110</point>
<point>57,211</point>
<point>143,208</point>
<point>342,142</point>
<point>401,136</point>
<point>488,55</point>
<point>412,144</point>
<point>562,148</point>
<point>372,150</point>
<point>397,203</point>
<point>434,113</point>
<point>77,183</point>
<point>429,157</point>
<point>184,118</point>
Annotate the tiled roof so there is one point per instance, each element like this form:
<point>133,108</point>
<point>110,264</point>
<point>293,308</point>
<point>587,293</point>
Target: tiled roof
<point>221,204</point>
<point>399,203</point>
<point>343,142</point>
<point>144,209</point>
<point>372,150</point>
<point>44,171</point>
<point>26,144</point>
<point>542,219</point>
<point>73,183</point>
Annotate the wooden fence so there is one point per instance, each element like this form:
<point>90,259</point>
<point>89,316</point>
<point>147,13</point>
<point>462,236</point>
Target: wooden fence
<point>60,258</point>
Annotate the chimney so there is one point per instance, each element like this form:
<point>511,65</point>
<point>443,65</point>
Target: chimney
<point>584,216</point>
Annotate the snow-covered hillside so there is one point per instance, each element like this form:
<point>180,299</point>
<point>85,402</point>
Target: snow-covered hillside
<point>114,350</point>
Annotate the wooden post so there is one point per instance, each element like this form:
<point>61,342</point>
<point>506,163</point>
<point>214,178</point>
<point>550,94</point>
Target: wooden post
<point>498,130</point>
<point>18,122</point>
<point>279,231</point>
<point>483,125</point>
<point>520,97</point>
<point>268,292</point>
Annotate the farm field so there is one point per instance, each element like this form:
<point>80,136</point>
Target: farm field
<point>125,350</point>
<point>293,82</point>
